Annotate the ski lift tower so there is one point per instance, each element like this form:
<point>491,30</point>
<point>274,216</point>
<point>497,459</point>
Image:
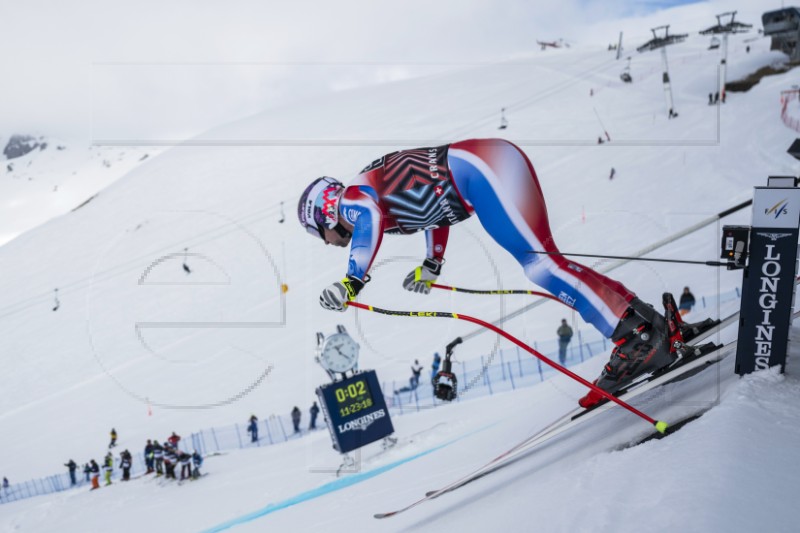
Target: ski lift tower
<point>726,28</point>
<point>661,42</point>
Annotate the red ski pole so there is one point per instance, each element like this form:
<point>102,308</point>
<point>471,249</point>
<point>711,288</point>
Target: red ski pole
<point>660,426</point>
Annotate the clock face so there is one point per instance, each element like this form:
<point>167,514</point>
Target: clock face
<point>340,353</point>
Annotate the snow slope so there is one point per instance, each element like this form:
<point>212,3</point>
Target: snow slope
<point>120,343</point>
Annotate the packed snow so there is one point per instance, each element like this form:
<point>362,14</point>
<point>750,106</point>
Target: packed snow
<point>216,203</point>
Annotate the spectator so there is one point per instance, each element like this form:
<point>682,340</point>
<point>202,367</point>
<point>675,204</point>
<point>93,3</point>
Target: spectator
<point>296,414</point>
<point>716,97</point>
<point>72,468</point>
<point>174,439</point>
<point>186,465</point>
<point>710,99</point>
<point>148,457</point>
<point>108,467</point>
<point>611,175</point>
<point>197,461</point>
<point>564,333</point>
<point>94,468</point>
<point>413,381</point>
<point>314,412</point>
<point>87,471</point>
<point>125,461</point>
<point>5,483</point>
<point>158,458</point>
<point>437,361</point>
<point>113,439</point>
<point>252,428</point>
<point>170,460</point>
<point>687,301</point>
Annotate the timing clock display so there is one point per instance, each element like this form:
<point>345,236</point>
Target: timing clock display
<point>339,353</point>
<point>355,411</point>
<point>353,397</point>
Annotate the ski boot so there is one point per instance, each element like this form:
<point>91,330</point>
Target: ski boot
<point>646,342</point>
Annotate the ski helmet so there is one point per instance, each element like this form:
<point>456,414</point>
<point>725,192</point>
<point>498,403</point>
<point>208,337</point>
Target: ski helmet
<point>318,207</point>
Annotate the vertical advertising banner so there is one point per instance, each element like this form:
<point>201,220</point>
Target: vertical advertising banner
<point>768,285</point>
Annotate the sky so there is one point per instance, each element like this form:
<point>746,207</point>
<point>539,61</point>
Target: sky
<point>97,71</point>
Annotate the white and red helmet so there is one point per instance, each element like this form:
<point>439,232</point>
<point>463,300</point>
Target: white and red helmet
<point>319,205</point>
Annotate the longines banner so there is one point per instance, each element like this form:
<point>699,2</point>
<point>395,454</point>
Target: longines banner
<point>768,285</point>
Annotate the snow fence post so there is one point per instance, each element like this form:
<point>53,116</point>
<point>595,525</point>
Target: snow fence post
<point>511,376</point>
<point>238,436</point>
<point>580,344</point>
<point>204,448</point>
<point>216,442</point>
<point>519,361</point>
<point>486,377</point>
<point>280,423</point>
<point>269,433</point>
<point>502,365</point>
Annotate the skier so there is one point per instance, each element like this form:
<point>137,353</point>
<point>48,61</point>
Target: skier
<point>174,439</point>
<point>197,461</point>
<point>94,468</point>
<point>113,439</point>
<point>158,458</point>
<point>149,459</point>
<point>108,467</point>
<point>125,461</point>
<point>170,461</point>
<point>186,465</point>
<point>431,189</point>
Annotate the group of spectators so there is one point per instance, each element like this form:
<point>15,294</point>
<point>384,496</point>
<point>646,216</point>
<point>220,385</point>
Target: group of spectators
<point>161,459</point>
<point>297,415</point>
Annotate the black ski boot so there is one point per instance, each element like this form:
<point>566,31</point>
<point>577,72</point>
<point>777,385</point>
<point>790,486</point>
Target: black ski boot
<point>646,342</point>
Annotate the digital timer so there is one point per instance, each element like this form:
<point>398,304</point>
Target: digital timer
<point>354,414</point>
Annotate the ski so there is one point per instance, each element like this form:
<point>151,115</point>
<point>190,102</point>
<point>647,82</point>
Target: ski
<point>569,421</point>
<point>690,364</point>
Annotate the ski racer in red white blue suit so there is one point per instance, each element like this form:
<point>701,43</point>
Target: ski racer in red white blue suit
<point>431,189</point>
